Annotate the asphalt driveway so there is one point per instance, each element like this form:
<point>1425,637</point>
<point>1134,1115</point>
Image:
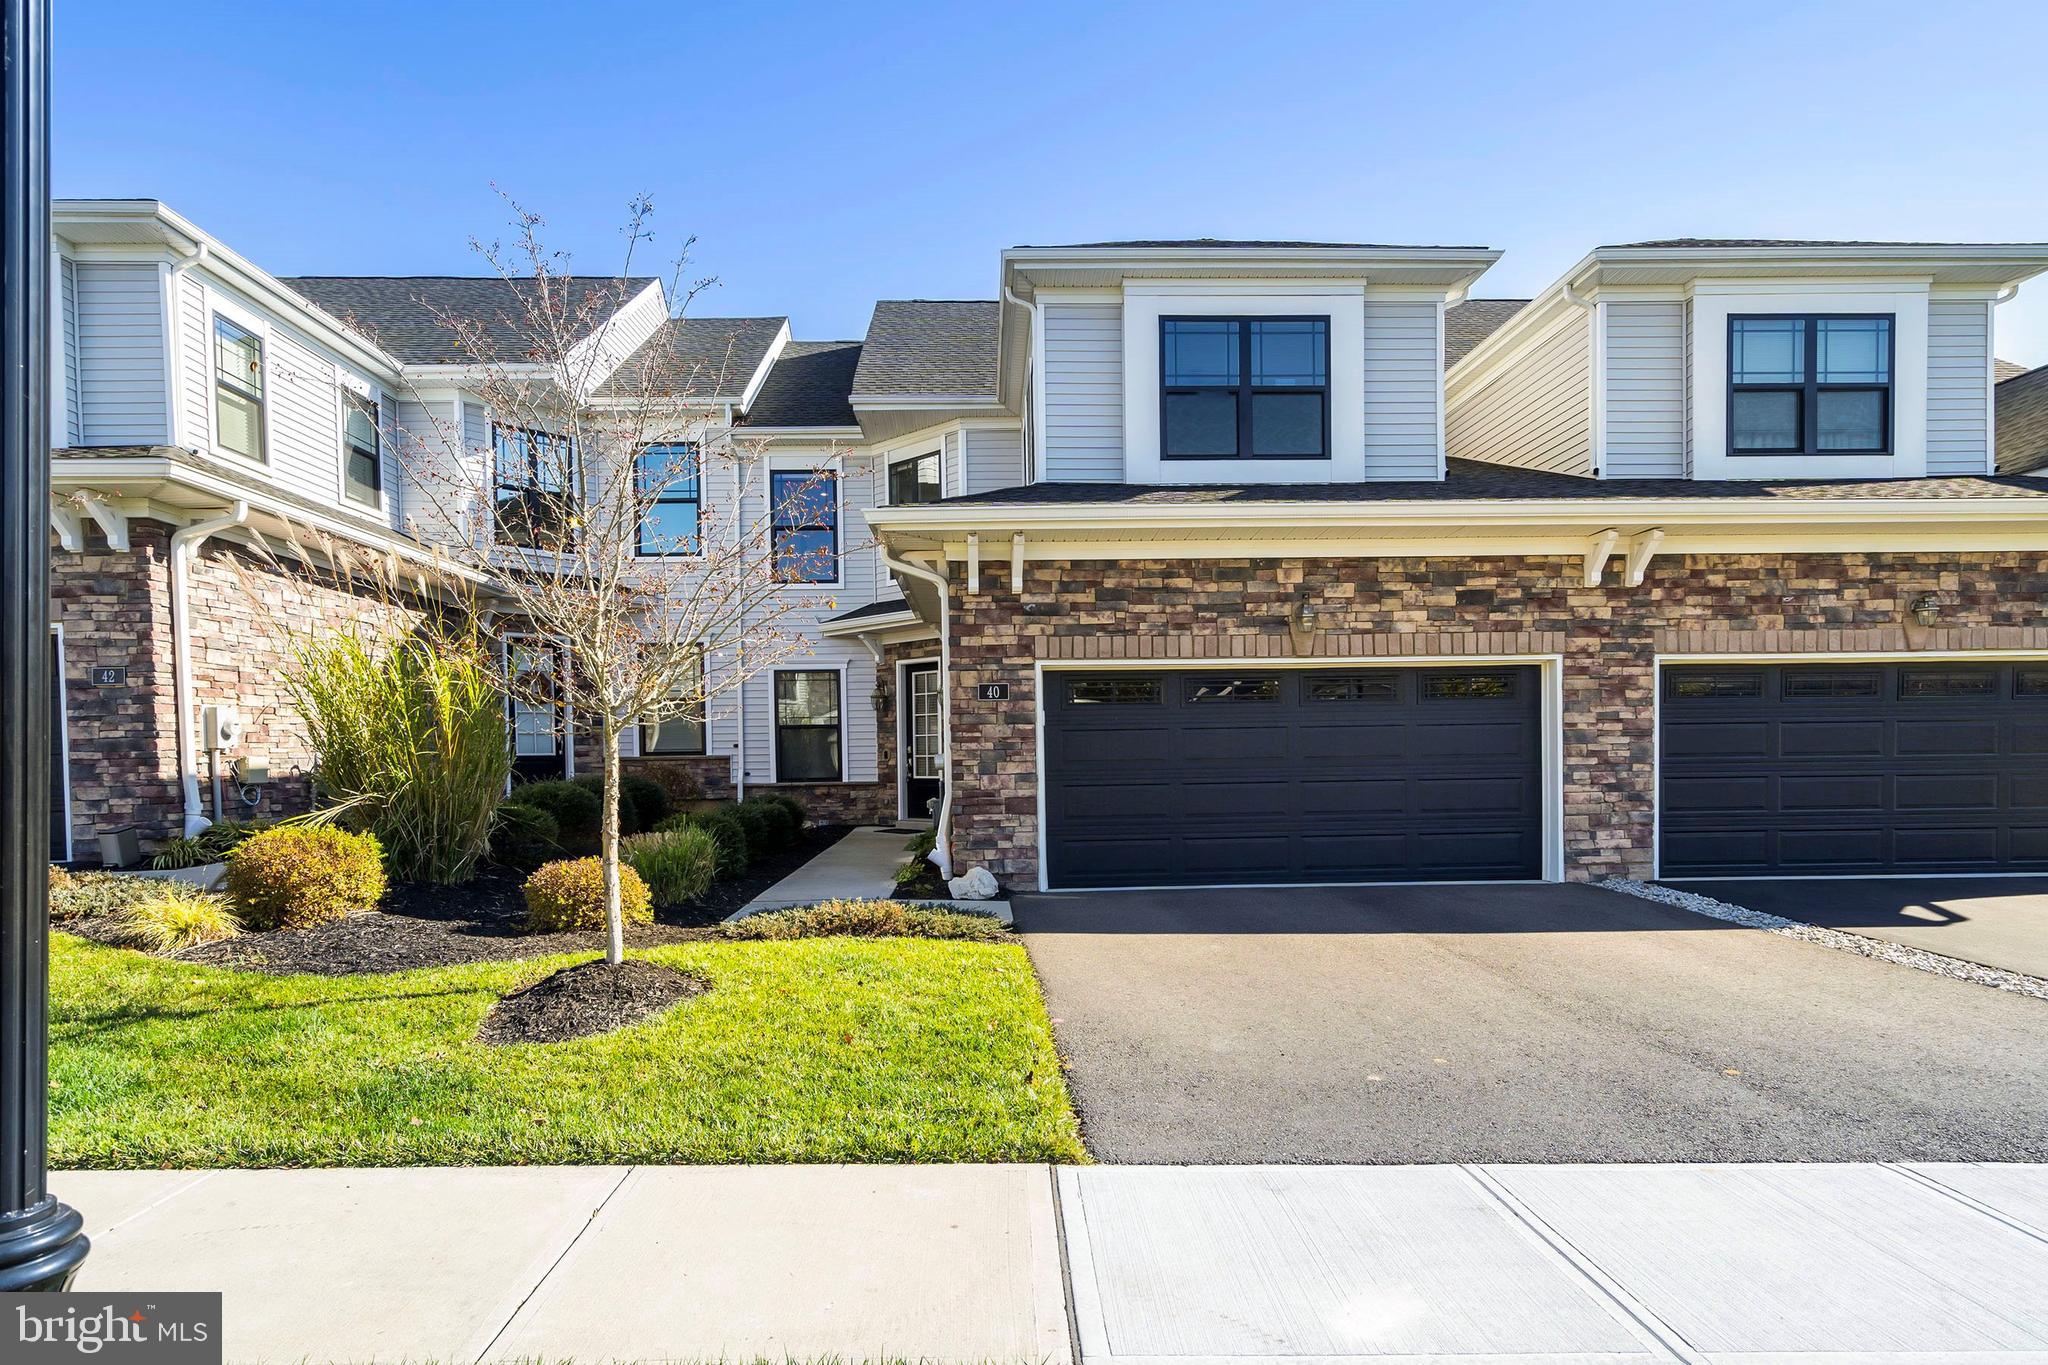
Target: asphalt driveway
<point>1998,921</point>
<point>1514,1023</point>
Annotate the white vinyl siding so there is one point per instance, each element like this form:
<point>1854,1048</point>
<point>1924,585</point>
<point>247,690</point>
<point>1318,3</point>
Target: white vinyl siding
<point>121,398</point>
<point>1646,413</point>
<point>952,465</point>
<point>67,287</point>
<point>1534,412</point>
<point>1958,393</point>
<point>195,373</point>
<point>859,582</point>
<point>994,459</point>
<point>1403,355</point>
<point>1690,397</point>
<point>1084,392</point>
<point>424,476</point>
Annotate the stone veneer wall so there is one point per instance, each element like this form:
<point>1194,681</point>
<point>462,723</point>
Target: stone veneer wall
<point>1609,637</point>
<point>115,609</point>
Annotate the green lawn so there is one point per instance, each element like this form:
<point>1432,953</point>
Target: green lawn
<point>816,1050</point>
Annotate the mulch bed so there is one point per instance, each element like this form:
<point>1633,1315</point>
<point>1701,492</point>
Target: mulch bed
<point>591,997</point>
<point>479,921</point>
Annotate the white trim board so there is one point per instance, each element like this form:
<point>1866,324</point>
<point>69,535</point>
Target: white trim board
<point>1550,705</point>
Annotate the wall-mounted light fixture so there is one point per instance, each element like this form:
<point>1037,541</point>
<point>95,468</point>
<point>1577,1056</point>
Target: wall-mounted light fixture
<point>1926,609</point>
<point>1301,622</point>
<point>881,699</point>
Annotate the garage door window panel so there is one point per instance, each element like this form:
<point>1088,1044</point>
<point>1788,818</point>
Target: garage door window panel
<point>1918,683</point>
<point>1233,689</point>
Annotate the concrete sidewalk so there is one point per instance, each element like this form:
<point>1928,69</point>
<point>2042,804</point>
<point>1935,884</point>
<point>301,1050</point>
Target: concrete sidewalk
<point>862,866</point>
<point>1742,1264</point>
<point>597,1263</point>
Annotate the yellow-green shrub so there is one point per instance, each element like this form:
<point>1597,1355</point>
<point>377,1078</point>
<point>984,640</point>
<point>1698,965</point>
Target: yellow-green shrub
<point>570,895</point>
<point>175,915</point>
<point>82,895</point>
<point>866,919</point>
<point>297,876</point>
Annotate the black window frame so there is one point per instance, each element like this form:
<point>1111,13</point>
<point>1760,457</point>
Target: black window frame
<point>367,404</point>
<point>649,733</point>
<point>912,463</point>
<point>667,496</point>
<point>531,493</point>
<point>778,528</point>
<point>1810,388</point>
<point>1245,389</point>
<point>838,726</point>
<point>250,392</point>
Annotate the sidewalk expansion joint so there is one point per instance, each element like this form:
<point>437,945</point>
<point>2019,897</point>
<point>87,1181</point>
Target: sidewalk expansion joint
<point>1934,1183</point>
<point>553,1266</point>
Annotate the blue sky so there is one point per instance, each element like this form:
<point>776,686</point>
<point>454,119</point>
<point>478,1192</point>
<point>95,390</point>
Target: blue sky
<point>829,154</point>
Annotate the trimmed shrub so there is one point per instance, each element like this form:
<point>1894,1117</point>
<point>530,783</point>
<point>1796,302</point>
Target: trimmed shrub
<point>575,807</point>
<point>798,817</point>
<point>677,865</point>
<point>77,895</point>
<point>174,915</point>
<point>783,823</point>
<point>763,825</point>
<point>297,876</point>
<point>650,802</point>
<point>570,895</point>
<point>524,836</point>
<point>867,919</point>
<point>735,854</point>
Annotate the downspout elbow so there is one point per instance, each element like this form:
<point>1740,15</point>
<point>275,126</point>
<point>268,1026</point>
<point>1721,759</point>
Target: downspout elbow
<point>185,543</point>
<point>942,827</point>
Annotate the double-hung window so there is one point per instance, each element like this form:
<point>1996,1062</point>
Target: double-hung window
<point>1817,384</point>
<point>1244,388</point>
<point>682,733</point>
<point>534,473</point>
<point>914,480</point>
<point>237,388</point>
<point>362,450</point>
<point>671,495</point>
<point>807,725</point>
<point>805,522</point>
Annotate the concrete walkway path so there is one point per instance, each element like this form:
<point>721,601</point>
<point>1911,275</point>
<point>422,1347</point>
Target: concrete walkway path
<point>1151,1265</point>
<point>862,866</point>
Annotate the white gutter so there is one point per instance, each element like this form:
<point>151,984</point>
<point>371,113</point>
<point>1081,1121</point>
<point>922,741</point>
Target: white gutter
<point>185,544</point>
<point>942,828</point>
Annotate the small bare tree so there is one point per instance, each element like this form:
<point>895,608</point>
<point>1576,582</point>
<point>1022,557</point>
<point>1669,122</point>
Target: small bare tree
<point>650,617</point>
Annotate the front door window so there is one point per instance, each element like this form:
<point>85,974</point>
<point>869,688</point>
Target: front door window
<point>537,749</point>
<point>923,756</point>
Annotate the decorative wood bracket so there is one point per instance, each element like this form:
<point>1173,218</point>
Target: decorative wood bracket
<point>70,531</point>
<point>1017,562</point>
<point>1641,550</point>
<point>973,561</point>
<point>113,521</point>
<point>1597,552</point>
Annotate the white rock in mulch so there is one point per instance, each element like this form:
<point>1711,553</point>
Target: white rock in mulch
<point>975,884</point>
<point>1883,950</point>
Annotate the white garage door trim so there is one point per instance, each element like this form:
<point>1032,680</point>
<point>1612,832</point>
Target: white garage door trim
<point>1549,667</point>
<point>1818,657</point>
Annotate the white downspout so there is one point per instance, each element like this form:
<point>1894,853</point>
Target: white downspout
<point>185,544</point>
<point>942,831</point>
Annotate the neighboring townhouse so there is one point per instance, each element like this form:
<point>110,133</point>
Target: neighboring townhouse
<point>1696,564</point>
<point>2021,403</point>
<point>1197,562</point>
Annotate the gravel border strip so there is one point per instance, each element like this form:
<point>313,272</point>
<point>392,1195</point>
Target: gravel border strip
<point>1882,949</point>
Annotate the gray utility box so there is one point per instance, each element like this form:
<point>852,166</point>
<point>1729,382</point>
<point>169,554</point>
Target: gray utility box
<point>120,846</point>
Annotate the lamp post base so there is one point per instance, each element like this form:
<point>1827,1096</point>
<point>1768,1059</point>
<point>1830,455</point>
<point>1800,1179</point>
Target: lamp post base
<point>41,1247</point>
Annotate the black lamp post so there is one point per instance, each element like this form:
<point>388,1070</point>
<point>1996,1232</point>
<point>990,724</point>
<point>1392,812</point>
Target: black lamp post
<point>41,1241</point>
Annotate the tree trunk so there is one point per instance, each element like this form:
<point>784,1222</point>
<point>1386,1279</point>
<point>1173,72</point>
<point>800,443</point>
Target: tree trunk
<point>614,917</point>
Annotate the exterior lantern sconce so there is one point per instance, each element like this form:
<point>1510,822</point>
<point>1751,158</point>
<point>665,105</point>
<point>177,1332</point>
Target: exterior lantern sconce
<point>881,700</point>
<point>1926,609</point>
<point>1301,623</point>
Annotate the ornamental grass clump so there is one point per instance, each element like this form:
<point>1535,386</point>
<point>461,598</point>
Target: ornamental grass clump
<point>734,853</point>
<point>297,876</point>
<point>410,744</point>
<point>867,919</point>
<point>570,895</point>
<point>677,865</point>
<point>174,915</point>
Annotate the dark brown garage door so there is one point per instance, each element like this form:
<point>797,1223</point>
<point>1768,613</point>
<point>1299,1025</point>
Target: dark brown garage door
<point>1194,778</point>
<point>1821,769</point>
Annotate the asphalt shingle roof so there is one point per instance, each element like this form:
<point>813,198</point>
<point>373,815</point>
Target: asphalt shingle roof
<point>697,358</point>
<point>1226,243</point>
<point>888,608</point>
<point>2022,421</point>
<point>1470,480</point>
<point>2002,370</point>
<point>403,313</point>
<point>1473,321</point>
<point>930,346</point>
<point>809,387</point>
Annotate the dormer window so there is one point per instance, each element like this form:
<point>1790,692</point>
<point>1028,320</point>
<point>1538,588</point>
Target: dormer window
<point>1810,384</point>
<point>1244,388</point>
